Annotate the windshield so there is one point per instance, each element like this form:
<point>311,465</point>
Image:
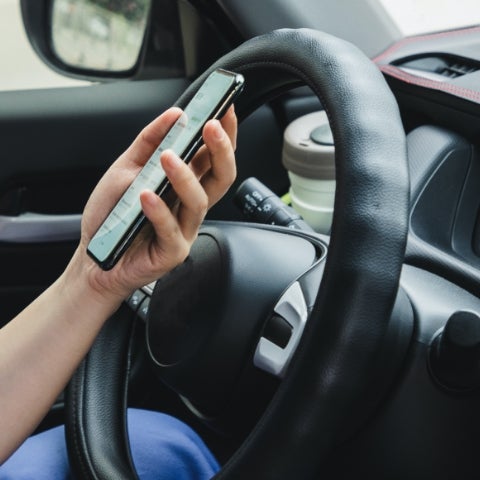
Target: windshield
<point>423,16</point>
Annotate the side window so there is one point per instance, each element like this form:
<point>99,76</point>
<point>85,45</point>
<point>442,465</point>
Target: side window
<point>20,67</point>
<point>414,17</point>
<point>91,38</point>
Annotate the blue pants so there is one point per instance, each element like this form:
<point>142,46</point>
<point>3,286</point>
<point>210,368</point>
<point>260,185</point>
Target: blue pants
<point>163,448</point>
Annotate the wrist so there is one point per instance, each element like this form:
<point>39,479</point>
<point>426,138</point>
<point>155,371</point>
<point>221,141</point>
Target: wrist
<point>79,284</point>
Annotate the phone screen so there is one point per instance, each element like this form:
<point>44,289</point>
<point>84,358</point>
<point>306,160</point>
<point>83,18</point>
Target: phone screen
<point>183,138</point>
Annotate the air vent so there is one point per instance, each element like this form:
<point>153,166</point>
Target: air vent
<point>438,67</point>
<point>457,69</point>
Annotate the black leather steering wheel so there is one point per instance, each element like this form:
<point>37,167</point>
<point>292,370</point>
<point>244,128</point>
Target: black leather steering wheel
<point>329,390</point>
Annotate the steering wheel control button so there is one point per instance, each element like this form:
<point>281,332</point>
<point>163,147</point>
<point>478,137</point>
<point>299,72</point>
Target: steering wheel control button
<point>455,353</point>
<point>136,299</point>
<point>291,308</point>
<point>143,310</point>
<point>278,331</point>
<point>148,289</point>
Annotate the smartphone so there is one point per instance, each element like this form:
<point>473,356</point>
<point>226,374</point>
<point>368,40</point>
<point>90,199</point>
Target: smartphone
<point>185,137</point>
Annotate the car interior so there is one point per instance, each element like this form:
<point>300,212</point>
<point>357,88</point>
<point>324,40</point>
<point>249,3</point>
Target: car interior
<point>346,350</point>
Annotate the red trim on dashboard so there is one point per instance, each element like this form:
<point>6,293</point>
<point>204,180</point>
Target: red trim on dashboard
<point>420,38</point>
<point>432,84</point>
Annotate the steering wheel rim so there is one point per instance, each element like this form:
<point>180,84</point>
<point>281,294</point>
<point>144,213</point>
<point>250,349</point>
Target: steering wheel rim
<point>329,389</point>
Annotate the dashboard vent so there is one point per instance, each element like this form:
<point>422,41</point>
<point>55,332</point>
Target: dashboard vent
<point>439,67</point>
<point>457,69</point>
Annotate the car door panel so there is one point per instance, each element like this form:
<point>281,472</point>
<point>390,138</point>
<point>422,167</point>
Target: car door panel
<point>56,144</point>
<point>67,131</point>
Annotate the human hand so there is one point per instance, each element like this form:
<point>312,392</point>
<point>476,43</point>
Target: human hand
<point>166,241</point>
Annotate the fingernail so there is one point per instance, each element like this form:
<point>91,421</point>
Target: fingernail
<point>172,158</point>
<point>148,198</point>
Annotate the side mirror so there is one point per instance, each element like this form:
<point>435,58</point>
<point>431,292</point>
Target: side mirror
<point>101,35</point>
<point>91,39</point>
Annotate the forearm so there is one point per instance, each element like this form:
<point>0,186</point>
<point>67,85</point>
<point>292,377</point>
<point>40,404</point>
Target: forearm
<point>43,345</point>
<point>41,348</point>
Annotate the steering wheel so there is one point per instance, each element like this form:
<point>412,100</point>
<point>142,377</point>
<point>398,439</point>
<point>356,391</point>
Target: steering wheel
<point>330,388</point>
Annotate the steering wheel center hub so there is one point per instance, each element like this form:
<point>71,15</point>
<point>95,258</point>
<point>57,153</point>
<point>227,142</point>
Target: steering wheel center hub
<point>206,317</point>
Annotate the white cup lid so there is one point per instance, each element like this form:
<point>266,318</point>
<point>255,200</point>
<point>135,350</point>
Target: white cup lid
<point>308,148</point>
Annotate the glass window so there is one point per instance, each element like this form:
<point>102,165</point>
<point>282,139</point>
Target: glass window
<point>20,67</point>
<point>424,16</point>
<point>105,35</point>
<point>109,38</point>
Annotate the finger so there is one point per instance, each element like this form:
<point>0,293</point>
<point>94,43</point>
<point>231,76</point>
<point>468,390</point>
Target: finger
<point>230,125</point>
<point>193,199</point>
<point>150,137</point>
<point>169,237</point>
<point>222,157</point>
<point>200,164</point>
